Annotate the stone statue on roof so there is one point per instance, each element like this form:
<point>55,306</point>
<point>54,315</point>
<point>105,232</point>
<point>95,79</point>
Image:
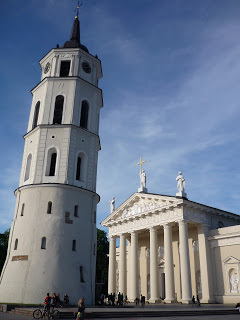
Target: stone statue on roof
<point>181,186</point>
<point>112,204</point>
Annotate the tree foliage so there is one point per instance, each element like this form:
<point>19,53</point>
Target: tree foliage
<point>3,247</point>
<point>102,259</point>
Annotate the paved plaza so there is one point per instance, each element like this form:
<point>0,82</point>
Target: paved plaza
<point>165,311</point>
<point>7,316</point>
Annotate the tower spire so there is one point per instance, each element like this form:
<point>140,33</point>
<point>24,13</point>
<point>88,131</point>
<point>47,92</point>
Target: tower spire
<point>75,34</point>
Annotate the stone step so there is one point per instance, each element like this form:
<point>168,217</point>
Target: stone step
<point>134,313</point>
<point>163,313</point>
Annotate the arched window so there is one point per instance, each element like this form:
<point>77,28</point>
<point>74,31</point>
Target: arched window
<point>78,171</point>
<point>49,208</point>
<point>36,113</point>
<point>84,115</point>
<point>51,162</point>
<point>74,245</point>
<point>58,110</point>
<point>81,167</point>
<point>44,242</point>
<point>28,167</point>
<point>16,244</point>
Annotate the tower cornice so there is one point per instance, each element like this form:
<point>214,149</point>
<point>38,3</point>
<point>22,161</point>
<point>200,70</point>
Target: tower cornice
<point>69,50</point>
<point>68,79</point>
<point>43,126</point>
<point>56,185</point>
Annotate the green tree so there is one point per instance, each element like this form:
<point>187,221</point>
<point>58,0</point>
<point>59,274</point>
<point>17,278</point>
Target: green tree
<point>3,247</point>
<point>102,259</point>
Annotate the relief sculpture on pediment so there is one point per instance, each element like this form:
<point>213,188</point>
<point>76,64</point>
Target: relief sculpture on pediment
<point>140,208</point>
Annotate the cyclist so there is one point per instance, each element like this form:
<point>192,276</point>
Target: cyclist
<point>47,303</point>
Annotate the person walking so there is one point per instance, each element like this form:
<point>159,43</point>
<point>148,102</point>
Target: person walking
<point>193,301</point>
<point>81,309</point>
<point>198,301</point>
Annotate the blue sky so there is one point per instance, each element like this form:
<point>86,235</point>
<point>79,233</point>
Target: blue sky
<point>171,89</point>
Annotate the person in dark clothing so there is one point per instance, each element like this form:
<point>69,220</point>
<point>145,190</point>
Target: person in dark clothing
<point>198,301</point>
<point>58,301</point>
<point>142,300</point>
<point>66,299</point>
<point>193,301</point>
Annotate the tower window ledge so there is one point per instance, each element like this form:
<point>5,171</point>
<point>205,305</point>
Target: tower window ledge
<point>50,179</point>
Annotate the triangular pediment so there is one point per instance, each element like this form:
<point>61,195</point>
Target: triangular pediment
<point>231,260</point>
<point>140,204</point>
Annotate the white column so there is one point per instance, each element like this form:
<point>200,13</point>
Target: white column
<point>154,282</point>
<point>122,265</point>
<point>112,266</point>
<point>134,266</point>
<point>205,265</point>
<point>185,263</point>
<point>169,268</point>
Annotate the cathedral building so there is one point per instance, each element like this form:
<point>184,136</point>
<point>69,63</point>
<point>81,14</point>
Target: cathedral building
<point>52,243</point>
<point>172,248</point>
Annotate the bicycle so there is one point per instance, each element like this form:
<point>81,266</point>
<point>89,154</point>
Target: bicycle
<point>46,314</point>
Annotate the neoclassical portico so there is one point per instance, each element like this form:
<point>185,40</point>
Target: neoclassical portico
<point>153,224</point>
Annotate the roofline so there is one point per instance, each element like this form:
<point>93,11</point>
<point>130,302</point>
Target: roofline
<point>67,49</point>
<point>176,197</point>
<point>186,199</point>
<point>139,193</point>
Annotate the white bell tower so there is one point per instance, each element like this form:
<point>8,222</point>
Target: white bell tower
<point>52,244</point>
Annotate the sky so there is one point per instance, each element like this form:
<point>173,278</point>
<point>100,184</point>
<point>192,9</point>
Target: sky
<point>171,91</point>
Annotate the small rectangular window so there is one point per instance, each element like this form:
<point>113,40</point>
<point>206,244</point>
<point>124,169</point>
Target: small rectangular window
<point>94,217</point>
<point>94,249</point>
<point>81,274</point>
<point>74,245</point>
<point>22,210</point>
<point>65,68</point>
<point>16,244</point>
<point>76,211</point>
<point>49,208</point>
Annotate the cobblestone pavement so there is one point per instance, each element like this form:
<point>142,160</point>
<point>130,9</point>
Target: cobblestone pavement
<point>7,316</point>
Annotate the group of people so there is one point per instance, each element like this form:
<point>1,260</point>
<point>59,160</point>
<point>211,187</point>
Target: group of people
<point>112,300</point>
<point>196,302</point>
<point>55,301</point>
<point>142,300</point>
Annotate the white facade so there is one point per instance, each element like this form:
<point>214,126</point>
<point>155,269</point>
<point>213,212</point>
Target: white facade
<point>52,244</point>
<point>172,248</point>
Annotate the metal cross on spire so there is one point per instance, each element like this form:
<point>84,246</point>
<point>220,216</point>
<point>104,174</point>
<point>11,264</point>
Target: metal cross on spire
<point>77,9</point>
<point>140,163</point>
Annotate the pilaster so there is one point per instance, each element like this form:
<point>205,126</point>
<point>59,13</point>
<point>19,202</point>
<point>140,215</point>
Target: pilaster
<point>205,265</point>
